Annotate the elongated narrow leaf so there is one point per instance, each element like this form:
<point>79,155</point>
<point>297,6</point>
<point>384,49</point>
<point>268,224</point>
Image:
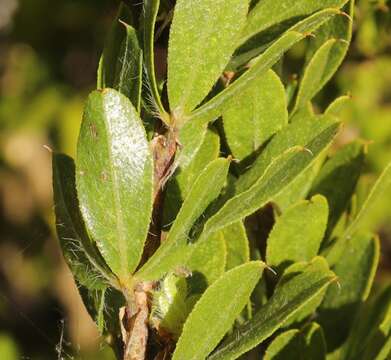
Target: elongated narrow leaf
<point>277,176</point>
<point>129,67</point>
<point>114,179</point>
<point>174,251</point>
<point>217,309</point>
<point>338,178</point>
<point>237,244</point>
<point>211,110</point>
<point>79,251</point>
<point>185,175</point>
<point>212,31</point>
<point>371,331</point>
<point>299,188</point>
<point>355,276</point>
<point>305,344</point>
<point>300,132</point>
<point>276,16</point>
<point>321,68</point>
<point>113,45</point>
<point>255,115</point>
<point>308,309</point>
<point>151,8</point>
<point>293,239</point>
<point>284,303</point>
<point>329,48</point>
<point>381,187</point>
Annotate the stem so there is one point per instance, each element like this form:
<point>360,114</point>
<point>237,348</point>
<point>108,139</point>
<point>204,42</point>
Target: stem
<point>164,147</point>
<point>135,323</point>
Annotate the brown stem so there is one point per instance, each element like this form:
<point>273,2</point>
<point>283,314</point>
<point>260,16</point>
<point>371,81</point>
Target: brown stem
<point>164,147</point>
<point>134,323</point>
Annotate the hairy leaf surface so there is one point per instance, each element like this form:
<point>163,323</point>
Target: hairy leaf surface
<point>212,109</point>
<point>284,303</point>
<point>174,251</point>
<point>297,234</point>
<point>255,115</point>
<point>281,171</point>
<point>79,251</point>
<point>212,31</point>
<point>216,310</point>
<point>114,179</point>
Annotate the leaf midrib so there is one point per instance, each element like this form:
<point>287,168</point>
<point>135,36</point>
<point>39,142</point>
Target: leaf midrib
<point>122,249</point>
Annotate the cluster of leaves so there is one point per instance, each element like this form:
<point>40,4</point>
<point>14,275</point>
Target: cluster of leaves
<point>260,188</point>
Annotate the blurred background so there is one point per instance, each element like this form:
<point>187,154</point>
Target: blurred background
<point>48,58</point>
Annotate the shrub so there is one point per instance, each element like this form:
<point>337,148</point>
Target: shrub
<point>211,214</point>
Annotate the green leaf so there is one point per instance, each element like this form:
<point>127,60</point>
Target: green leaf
<point>308,309</point>
<point>221,303</point>
<point>114,179</point>
<point>109,63</point>
<point>191,137</point>
<point>150,11</point>
<point>382,185</point>
<point>129,68</point>
<point>171,304</point>
<point>292,239</point>
<point>175,250</point>
<point>284,303</point>
<point>370,335</point>
<point>185,175</point>
<point>237,244</point>
<point>103,306</point>
<point>274,16</point>
<point>80,253</point>
<point>212,30</point>
<point>207,260</point>
<point>305,344</point>
<point>335,108</point>
<point>374,198</point>
<point>299,188</point>
<point>281,171</point>
<point>300,132</point>
<point>255,115</point>
<point>329,48</point>
<point>355,276</point>
<point>338,178</point>
<point>212,109</point>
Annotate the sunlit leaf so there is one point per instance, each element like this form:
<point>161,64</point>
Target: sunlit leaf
<point>218,307</point>
<point>114,179</point>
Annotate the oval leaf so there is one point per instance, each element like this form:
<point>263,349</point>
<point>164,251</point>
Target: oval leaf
<point>255,115</point>
<point>292,239</point>
<point>114,179</point>
<point>212,28</point>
